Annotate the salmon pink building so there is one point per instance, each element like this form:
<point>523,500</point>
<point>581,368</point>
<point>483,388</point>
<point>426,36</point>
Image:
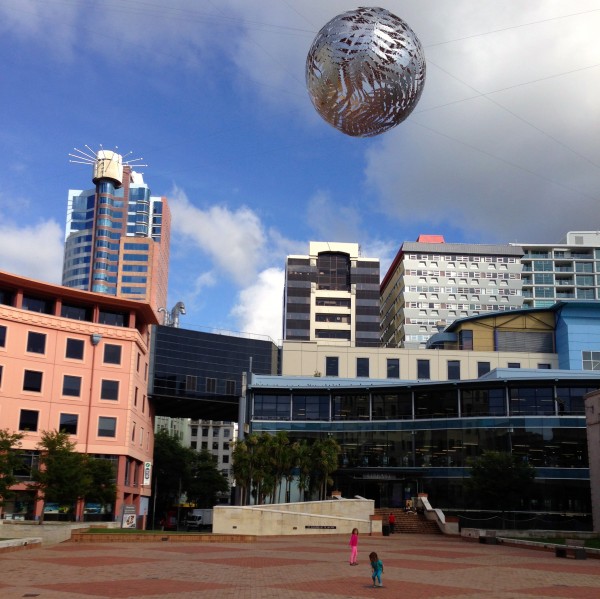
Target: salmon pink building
<point>76,361</point>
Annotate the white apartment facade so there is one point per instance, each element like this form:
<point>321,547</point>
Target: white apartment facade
<point>432,283</point>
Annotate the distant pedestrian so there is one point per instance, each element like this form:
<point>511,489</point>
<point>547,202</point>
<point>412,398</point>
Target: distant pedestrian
<point>354,547</point>
<point>392,522</point>
<point>376,568</point>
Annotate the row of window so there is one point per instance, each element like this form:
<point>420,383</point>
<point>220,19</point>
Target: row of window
<point>215,432</point>
<point>68,423</point>
<point>72,386</point>
<point>422,404</point>
<point>74,348</point>
<point>210,386</point>
<point>332,367</point>
<point>75,312</point>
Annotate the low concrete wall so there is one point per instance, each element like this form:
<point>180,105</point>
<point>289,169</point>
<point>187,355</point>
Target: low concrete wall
<point>50,533</point>
<point>313,517</point>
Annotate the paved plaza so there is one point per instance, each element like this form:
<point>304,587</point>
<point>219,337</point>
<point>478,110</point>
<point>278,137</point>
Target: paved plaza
<point>416,567</point>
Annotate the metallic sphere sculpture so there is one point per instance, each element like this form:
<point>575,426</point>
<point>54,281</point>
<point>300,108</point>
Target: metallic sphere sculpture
<point>365,71</point>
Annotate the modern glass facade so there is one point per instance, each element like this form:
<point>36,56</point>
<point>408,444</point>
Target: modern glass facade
<point>117,240</point>
<point>401,439</point>
<point>199,375</point>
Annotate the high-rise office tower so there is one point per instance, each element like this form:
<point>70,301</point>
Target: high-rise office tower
<point>117,234</point>
<point>332,293</point>
<point>431,283</point>
<point>562,271</point>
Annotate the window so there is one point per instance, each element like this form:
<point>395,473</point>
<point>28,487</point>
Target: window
<point>205,432</point>
<point>590,360</point>
<point>211,385</point>
<point>423,369</point>
<point>465,340</point>
<point>230,387</point>
<point>194,432</point>
<point>226,433</point>
<point>36,304</point>
<point>28,420</point>
<point>74,349</point>
<point>362,367</point>
<point>215,445</point>
<point>2,336</point>
<point>112,354</point>
<point>453,370</point>
<point>332,366</point>
<point>225,459</point>
<point>194,444</point>
<point>393,368</point>
<point>36,343</point>
<point>204,445</point>
<point>109,390</point>
<point>215,432</point>
<point>514,365</point>
<point>71,386</point>
<point>483,368</point>
<point>310,407</point>
<point>544,366</point>
<point>1,370</point>
<point>32,381</point>
<point>191,382</point>
<point>68,423</point>
<point>107,426</point>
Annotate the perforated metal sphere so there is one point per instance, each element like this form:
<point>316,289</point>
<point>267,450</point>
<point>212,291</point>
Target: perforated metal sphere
<point>365,71</point>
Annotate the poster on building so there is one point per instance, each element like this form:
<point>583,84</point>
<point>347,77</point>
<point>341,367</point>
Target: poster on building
<point>147,474</point>
<point>129,517</point>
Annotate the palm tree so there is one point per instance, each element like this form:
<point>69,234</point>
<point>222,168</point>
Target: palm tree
<point>325,454</point>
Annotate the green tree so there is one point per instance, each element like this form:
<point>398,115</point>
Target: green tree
<point>206,482</point>
<point>304,463</point>
<point>103,487</point>
<point>9,461</point>
<point>499,480</point>
<point>325,461</point>
<point>62,475</point>
<point>181,470</point>
<point>169,473</point>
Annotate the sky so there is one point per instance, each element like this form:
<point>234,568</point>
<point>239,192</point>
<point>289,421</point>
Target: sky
<point>503,145</point>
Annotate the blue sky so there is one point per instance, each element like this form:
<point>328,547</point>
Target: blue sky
<point>503,145</point>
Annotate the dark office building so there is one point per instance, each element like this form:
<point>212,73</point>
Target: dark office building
<point>198,375</point>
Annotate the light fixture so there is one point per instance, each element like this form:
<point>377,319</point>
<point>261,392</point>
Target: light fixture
<point>96,338</point>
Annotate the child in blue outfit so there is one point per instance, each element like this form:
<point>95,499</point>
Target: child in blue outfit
<point>376,567</point>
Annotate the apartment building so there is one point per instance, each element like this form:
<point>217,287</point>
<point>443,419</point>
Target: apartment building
<point>431,283</point>
<point>332,294</point>
<point>568,270</point>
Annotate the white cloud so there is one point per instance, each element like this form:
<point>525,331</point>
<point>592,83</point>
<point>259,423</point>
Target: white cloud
<point>234,240</point>
<point>259,307</point>
<point>34,251</point>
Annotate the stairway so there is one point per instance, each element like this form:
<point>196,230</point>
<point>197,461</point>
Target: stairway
<point>409,523</point>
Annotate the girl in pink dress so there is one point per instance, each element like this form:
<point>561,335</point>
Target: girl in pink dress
<point>354,547</point>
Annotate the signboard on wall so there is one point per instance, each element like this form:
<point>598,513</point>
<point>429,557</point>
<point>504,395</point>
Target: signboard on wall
<point>147,474</point>
<point>129,517</point>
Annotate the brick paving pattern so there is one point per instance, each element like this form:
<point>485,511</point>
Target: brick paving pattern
<point>416,567</point>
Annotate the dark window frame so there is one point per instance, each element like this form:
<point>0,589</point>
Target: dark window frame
<point>31,382</point>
